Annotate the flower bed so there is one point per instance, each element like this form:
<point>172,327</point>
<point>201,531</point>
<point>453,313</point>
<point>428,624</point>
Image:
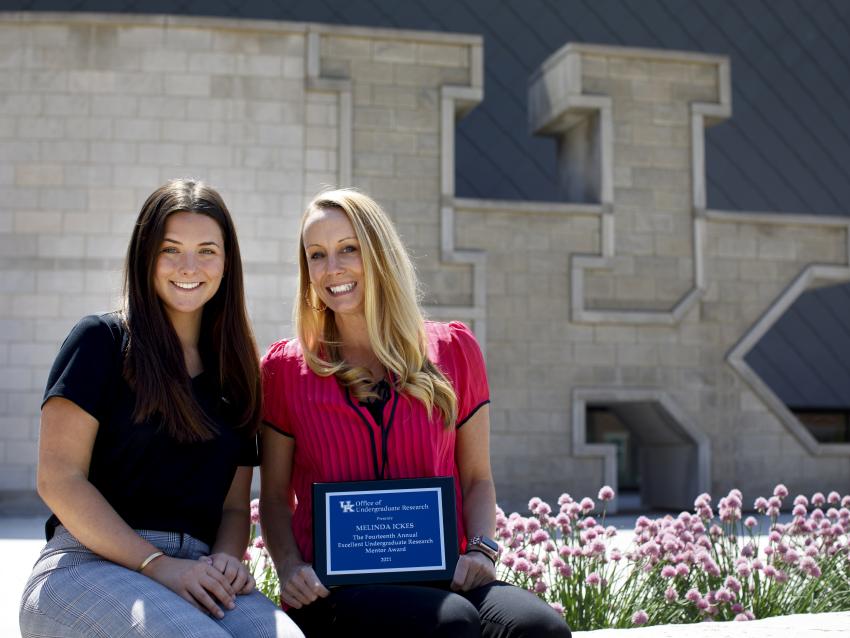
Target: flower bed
<point>689,568</point>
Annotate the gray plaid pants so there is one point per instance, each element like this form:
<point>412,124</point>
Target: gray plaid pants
<point>73,592</point>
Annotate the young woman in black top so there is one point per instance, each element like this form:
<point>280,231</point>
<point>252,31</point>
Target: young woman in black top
<point>148,441</point>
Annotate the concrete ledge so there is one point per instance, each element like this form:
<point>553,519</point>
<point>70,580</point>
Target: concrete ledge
<point>800,626</point>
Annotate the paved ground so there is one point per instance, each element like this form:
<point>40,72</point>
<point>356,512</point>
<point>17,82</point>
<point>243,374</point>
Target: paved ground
<point>21,538</point>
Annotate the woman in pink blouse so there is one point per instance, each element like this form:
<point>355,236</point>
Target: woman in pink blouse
<point>371,391</point>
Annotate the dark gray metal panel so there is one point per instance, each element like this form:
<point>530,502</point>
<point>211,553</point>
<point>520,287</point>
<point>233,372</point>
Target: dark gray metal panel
<point>804,356</point>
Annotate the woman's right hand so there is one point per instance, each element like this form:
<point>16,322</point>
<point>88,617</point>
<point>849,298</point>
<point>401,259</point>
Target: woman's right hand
<point>300,586</point>
<point>197,581</point>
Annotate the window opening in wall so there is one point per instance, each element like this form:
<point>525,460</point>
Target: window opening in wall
<point>658,461</point>
<point>603,426</point>
<point>827,426</point>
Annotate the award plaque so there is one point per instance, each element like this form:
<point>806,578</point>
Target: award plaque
<point>391,531</point>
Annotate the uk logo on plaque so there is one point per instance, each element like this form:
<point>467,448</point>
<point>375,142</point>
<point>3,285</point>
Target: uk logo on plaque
<point>385,531</point>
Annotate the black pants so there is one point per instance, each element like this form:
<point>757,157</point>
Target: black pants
<point>497,610</point>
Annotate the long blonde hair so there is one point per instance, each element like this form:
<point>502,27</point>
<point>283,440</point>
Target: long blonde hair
<point>393,317</point>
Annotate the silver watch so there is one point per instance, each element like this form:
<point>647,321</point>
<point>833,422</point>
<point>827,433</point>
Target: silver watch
<point>484,544</point>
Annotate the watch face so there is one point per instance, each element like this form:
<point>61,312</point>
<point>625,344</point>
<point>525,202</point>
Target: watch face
<point>489,542</point>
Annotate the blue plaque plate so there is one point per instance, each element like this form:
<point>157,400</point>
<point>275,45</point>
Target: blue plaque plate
<point>397,530</point>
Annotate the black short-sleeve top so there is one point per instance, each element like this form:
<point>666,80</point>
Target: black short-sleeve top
<point>152,481</point>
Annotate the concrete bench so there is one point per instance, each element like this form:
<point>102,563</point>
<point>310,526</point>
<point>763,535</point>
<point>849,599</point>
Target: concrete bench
<point>833,625</point>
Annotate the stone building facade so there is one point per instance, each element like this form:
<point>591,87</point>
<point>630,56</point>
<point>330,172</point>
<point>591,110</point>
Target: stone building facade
<point>633,296</point>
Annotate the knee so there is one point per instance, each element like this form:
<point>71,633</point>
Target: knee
<point>456,618</point>
<point>542,624</point>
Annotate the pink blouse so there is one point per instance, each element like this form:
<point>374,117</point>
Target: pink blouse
<point>336,439</point>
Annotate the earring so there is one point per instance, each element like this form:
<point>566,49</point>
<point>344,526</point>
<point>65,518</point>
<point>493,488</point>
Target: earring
<point>310,303</point>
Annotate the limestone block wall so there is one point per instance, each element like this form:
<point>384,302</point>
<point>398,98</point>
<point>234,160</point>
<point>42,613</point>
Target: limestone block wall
<point>642,297</point>
<point>634,295</point>
<point>97,110</point>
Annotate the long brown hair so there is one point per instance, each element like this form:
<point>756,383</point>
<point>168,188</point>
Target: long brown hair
<point>393,316</point>
<point>154,365</point>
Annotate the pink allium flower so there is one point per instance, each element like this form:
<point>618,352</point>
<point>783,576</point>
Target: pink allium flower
<point>246,556</point>
<point>522,566</point>
<point>760,504</point>
<point>791,557</point>
<point>750,522</point>
<point>715,531</point>
<point>682,569</point>
<point>651,549</point>
<point>566,571</point>
<point>540,587</point>
<point>606,493</point>
<point>768,551</point>
<point>532,525</point>
<point>533,503</point>
<point>818,499</point>
<point>780,490</point>
<point>774,501</point>
<point>693,595</point>
<point>259,543</point>
<point>801,500</point>
<point>562,519</point>
<point>640,617</point>
<point>597,546</point>
<point>615,555</point>
<point>774,536</point>
<point>540,536</point>
<point>558,607</point>
<point>587,504</point>
<point>833,497</point>
<point>781,576</point>
<point>508,559</point>
<point>702,604</point>
<point>742,617</point>
<point>772,511</point>
<point>670,594</point>
<point>255,511</point>
<point>799,510</point>
<point>733,584</point>
<point>845,502</point>
<point>543,509</point>
<point>723,595</point>
<point>744,570</point>
<point>610,531</point>
<point>668,571</point>
<point>770,571</point>
<point>564,499</point>
<point>817,515</point>
<point>711,568</point>
<point>593,579</point>
<point>736,608</point>
<point>757,564</point>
